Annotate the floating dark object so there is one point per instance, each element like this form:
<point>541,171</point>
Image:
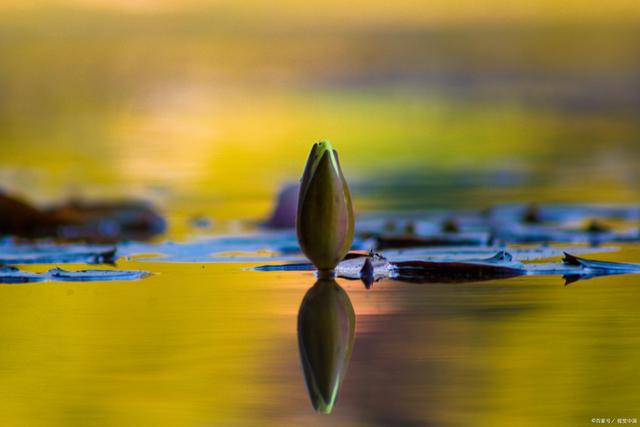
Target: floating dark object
<point>10,274</point>
<point>57,274</point>
<point>367,273</point>
<point>107,221</point>
<point>499,266</point>
<point>504,224</point>
<point>368,268</point>
<point>409,228</point>
<point>284,214</point>
<point>532,214</point>
<point>465,253</point>
<point>80,221</point>
<point>559,213</point>
<point>596,226</point>
<point>459,266</point>
<point>546,234</point>
<point>376,267</point>
<point>601,266</point>
<point>451,225</point>
<point>55,254</point>
<point>286,267</point>
<point>19,218</point>
<point>307,266</point>
<point>430,272</point>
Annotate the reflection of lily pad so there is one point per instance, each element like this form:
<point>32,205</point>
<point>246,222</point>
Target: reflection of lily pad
<point>9,274</point>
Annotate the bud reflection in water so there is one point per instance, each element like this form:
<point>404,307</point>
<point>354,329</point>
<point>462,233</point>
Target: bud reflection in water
<point>326,330</point>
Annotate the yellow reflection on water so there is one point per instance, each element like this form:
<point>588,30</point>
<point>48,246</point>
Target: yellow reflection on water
<point>216,344</point>
<point>184,347</point>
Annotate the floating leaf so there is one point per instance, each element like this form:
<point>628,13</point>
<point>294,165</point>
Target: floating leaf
<point>58,274</point>
<point>9,274</point>
<point>55,254</point>
<point>607,266</point>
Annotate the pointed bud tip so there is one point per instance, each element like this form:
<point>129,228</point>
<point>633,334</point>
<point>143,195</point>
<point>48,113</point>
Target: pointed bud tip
<point>324,145</point>
<point>322,148</point>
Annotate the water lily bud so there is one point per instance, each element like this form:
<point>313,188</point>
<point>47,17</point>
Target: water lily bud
<point>326,331</point>
<point>325,215</point>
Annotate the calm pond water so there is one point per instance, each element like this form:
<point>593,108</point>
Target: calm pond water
<point>215,344</point>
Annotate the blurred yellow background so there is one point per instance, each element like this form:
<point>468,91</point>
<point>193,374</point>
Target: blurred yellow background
<point>221,100</point>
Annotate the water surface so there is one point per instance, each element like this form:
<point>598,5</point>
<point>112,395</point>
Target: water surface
<point>211,344</point>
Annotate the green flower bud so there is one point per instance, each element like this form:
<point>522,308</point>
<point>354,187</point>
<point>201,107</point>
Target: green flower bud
<point>325,215</point>
<point>326,331</point>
